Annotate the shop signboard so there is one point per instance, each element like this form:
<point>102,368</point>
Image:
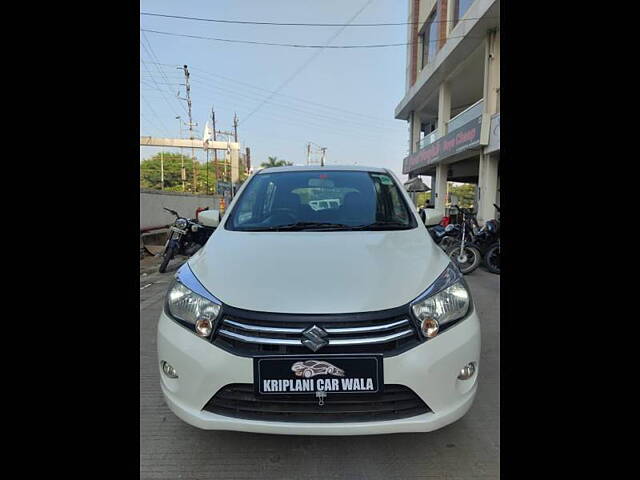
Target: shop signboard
<point>494,134</point>
<point>463,138</point>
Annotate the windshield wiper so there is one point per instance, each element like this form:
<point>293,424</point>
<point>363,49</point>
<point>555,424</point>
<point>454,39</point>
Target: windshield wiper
<point>298,226</point>
<point>383,226</point>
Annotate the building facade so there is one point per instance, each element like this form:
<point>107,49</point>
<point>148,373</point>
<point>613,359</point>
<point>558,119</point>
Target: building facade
<point>452,98</point>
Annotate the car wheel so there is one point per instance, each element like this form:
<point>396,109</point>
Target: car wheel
<point>308,374</point>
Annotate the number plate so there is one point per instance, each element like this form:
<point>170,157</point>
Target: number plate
<point>312,373</point>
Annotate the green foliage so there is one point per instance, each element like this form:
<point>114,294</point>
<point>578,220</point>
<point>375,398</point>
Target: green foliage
<point>274,162</point>
<point>465,192</point>
<point>150,173</point>
<point>422,198</point>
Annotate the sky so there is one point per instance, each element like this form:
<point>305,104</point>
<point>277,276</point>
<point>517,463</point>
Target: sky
<point>341,99</point>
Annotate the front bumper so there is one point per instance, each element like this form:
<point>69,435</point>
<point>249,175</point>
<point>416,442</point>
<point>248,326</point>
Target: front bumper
<point>430,370</point>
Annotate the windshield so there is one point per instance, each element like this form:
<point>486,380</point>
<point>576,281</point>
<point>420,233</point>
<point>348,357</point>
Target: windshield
<point>321,200</point>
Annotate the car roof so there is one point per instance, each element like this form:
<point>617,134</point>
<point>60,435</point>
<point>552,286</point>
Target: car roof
<point>318,168</point>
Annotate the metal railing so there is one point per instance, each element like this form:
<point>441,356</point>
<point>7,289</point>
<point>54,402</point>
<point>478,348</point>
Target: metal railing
<point>466,115</point>
<point>427,140</point>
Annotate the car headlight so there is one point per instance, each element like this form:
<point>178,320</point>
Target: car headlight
<point>181,223</point>
<point>444,302</point>
<point>192,309</point>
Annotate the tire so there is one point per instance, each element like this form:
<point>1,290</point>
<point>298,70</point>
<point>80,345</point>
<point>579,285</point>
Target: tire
<point>447,242</point>
<point>474,258</point>
<point>168,255</point>
<point>307,374</point>
<point>492,258</point>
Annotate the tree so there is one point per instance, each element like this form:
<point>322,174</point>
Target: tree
<point>172,163</point>
<point>274,162</point>
<point>465,192</point>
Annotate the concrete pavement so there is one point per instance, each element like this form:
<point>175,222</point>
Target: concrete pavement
<point>467,449</point>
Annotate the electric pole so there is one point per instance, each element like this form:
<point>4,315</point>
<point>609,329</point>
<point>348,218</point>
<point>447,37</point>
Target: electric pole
<point>324,151</point>
<point>215,150</point>
<point>191,124</point>
<point>235,127</point>
<point>308,153</point>
<point>161,169</point>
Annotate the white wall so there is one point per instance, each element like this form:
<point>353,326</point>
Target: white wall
<point>153,215</point>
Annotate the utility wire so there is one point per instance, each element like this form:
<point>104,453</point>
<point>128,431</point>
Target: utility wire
<point>156,64</point>
<point>315,114</point>
<point>306,63</point>
<point>215,77</point>
<point>284,24</point>
<point>296,45</point>
<point>159,89</point>
<point>155,115</point>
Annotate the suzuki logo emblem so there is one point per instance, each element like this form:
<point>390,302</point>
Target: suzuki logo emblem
<point>315,338</point>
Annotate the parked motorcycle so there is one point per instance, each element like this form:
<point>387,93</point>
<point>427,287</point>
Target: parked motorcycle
<point>492,242</point>
<point>445,237</point>
<point>186,237</point>
<point>465,253</point>
<point>444,233</point>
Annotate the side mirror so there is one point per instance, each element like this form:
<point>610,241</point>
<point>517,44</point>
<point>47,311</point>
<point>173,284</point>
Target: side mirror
<point>423,216</point>
<point>210,218</point>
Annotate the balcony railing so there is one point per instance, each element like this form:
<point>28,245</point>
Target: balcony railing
<point>465,116</point>
<point>427,140</point>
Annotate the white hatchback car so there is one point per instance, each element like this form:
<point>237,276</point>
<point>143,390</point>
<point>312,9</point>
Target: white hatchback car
<point>359,286</point>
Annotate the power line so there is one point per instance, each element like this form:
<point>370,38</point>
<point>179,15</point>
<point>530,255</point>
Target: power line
<point>216,77</point>
<point>156,64</point>
<point>294,45</point>
<point>292,24</point>
<point>314,113</point>
<point>307,62</point>
<point>304,100</point>
<point>157,85</point>
<point>155,114</point>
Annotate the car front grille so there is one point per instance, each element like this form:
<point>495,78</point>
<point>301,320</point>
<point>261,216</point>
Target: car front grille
<point>239,400</point>
<point>248,333</point>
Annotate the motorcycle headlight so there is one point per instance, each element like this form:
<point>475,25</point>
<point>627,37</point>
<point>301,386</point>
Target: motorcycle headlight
<point>444,302</point>
<point>181,223</point>
<point>191,309</point>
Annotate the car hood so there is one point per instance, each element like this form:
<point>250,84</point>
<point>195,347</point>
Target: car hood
<point>318,272</point>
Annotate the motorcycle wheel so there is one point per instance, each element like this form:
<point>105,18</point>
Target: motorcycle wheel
<point>470,263</point>
<point>168,255</point>
<point>447,242</point>
<point>492,258</point>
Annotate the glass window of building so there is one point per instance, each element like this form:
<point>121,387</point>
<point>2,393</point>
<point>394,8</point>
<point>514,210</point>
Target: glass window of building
<point>459,9</point>
<point>431,34</point>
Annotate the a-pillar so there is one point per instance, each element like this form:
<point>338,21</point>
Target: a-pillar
<point>487,187</point>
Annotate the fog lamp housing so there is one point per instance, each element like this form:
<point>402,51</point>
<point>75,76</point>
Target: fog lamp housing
<point>467,371</point>
<point>168,370</point>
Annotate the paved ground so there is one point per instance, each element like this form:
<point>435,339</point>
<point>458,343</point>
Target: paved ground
<point>467,449</point>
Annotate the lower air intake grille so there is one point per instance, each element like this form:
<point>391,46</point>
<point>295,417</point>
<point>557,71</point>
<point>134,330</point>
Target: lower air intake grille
<point>239,400</point>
